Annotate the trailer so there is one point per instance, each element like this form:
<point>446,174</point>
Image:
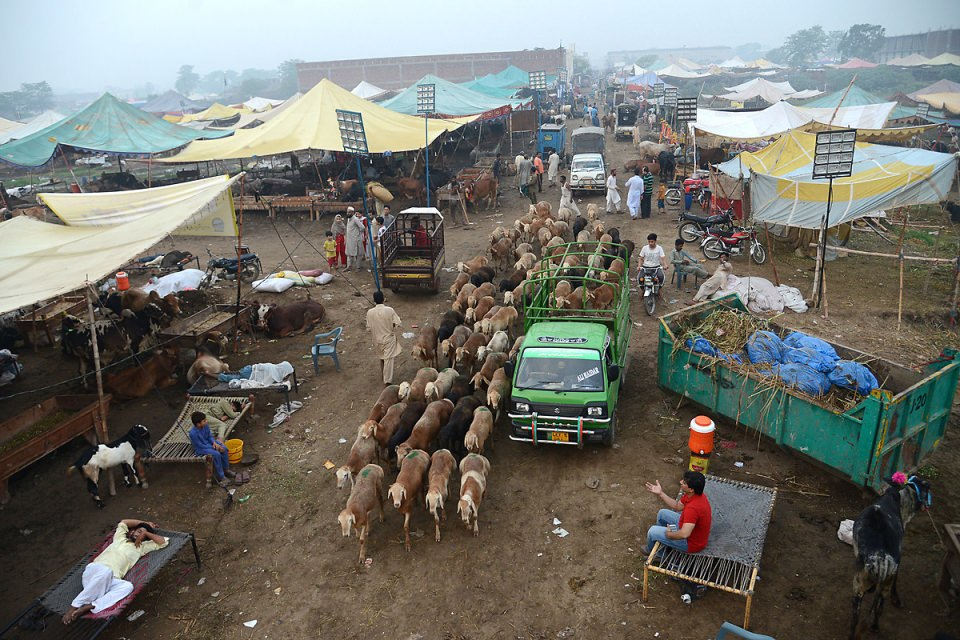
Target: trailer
<point>411,250</point>
<point>894,428</point>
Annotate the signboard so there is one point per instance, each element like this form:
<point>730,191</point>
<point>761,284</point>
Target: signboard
<point>686,109</point>
<point>538,80</point>
<point>670,97</point>
<point>923,109</point>
<point>658,90</point>
<point>833,155</point>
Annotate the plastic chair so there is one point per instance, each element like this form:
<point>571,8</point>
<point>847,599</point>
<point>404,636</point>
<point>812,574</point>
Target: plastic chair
<point>738,632</point>
<point>680,277</point>
<point>325,344</point>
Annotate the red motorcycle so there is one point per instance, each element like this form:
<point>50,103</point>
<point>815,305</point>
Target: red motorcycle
<point>732,242</point>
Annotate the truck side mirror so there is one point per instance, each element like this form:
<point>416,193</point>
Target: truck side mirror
<point>613,372</point>
<point>508,369</point>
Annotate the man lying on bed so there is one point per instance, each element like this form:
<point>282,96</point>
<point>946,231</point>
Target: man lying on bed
<point>103,583</point>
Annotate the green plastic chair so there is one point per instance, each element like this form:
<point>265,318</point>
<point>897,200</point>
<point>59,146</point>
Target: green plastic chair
<point>738,632</point>
<point>325,344</point>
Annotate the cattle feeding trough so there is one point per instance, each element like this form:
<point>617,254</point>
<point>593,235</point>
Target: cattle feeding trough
<point>222,318</point>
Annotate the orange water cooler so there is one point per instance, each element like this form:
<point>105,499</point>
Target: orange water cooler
<point>701,443</point>
<point>123,281</point>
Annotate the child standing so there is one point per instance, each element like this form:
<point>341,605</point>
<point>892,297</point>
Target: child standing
<point>339,231</point>
<point>330,250</point>
<point>661,194</point>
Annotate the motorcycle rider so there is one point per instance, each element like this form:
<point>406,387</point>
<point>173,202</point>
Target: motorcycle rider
<point>652,257</point>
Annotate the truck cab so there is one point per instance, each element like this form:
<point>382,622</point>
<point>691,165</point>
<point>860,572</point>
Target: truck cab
<point>588,172</point>
<point>571,363</point>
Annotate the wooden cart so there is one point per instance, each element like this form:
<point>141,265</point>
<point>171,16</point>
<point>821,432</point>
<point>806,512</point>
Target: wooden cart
<point>411,250</point>
<point>43,428</point>
<point>219,317</point>
<point>42,321</point>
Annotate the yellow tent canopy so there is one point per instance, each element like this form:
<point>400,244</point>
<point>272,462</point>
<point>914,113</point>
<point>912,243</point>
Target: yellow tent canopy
<point>311,123</point>
<point>216,111</point>
<point>946,101</point>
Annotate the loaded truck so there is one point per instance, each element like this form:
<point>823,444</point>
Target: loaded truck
<point>572,361</point>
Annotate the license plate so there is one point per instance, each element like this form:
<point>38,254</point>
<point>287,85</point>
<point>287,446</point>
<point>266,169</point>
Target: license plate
<point>558,436</point>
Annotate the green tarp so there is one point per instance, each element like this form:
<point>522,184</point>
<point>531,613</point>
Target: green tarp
<point>108,126</point>
<point>481,85</point>
<point>451,100</point>
<point>857,97</point>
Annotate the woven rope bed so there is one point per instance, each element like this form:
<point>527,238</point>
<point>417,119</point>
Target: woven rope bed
<point>57,598</point>
<point>175,445</point>
<point>731,560</point>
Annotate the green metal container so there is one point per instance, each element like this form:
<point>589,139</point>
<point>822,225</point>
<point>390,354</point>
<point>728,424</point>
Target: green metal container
<point>894,428</point>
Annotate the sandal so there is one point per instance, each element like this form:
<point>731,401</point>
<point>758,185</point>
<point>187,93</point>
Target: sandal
<point>242,478</point>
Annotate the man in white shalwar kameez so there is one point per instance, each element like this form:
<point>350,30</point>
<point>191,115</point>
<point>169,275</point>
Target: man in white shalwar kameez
<point>382,322</point>
<point>613,193</point>
<point>634,194</point>
<point>566,196</point>
<point>553,166</point>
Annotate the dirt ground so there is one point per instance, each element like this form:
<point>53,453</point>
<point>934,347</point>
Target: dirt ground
<point>278,557</point>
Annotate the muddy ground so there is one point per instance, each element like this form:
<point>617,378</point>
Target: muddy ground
<point>279,558</point>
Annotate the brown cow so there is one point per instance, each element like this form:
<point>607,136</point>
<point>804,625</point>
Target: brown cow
<point>138,381</point>
<point>412,188</point>
<point>134,300</point>
<point>290,319</point>
<point>483,188</point>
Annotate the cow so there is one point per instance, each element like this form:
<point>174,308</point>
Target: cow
<point>412,188</point>
<point>138,381</point>
<point>134,300</point>
<point>142,326</point>
<point>707,157</point>
<point>76,339</point>
<point>650,150</point>
<point>668,164</point>
<point>206,365</point>
<point>290,319</point>
<point>483,188</point>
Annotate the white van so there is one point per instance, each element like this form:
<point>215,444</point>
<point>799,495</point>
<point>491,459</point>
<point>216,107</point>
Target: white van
<point>588,172</point>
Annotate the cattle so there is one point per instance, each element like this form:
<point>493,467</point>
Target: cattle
<point>290,319</point>
<point>483,188</point>
<point>206,365</point>
<point>126,452</point>
<point>76,339</point>
<point>142,326</point>
<point>668,164</point>
<point>412,188</point>
<point>138,381</point>
<point>707,157</point>
<point>878,540</point>
<point>134,300</point>
<point>650,150</point>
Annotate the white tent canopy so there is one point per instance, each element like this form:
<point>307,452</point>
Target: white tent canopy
<point>759,87</point>
<point>261,104</point>
<point>736,62</point>
<point>42,121</point>
<point>40,260</point>
<point>781,117</point>
<point>367,91</point>
<point>676,71</point>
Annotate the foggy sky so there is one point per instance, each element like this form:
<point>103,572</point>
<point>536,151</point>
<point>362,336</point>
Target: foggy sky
<point>96,44</point>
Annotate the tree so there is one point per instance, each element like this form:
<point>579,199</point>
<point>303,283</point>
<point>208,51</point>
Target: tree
<point>805,46</point>
<point>862,41</point>
<point>581,64</point>
<point>186,80</point>
<point>37,96</point>
<point>288,77</point>
<point>646,61</point>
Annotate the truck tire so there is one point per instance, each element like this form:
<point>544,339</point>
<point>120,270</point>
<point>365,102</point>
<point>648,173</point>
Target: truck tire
<point>611,435</point>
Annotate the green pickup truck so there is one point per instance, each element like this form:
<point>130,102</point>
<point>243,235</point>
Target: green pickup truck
<point>571,364</point>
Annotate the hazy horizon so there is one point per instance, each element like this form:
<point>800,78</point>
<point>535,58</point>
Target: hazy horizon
<point>127,44</point>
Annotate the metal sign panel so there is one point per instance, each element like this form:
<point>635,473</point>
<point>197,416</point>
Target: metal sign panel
<point>538,80</point>
<point>670,97</point>
<point>833,155</point>
<point>426,98</point>
<point>686,109</point>
<point>923,109</point>
<point>658,90</point>
<point>352,133</point>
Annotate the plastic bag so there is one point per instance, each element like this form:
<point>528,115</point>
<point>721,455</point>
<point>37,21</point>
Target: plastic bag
<point>809,357</point>
<point>764,347</point>
<point>800,340</point>
<point>700,345</point>
<point>853,375</point>
<point>804,378</point>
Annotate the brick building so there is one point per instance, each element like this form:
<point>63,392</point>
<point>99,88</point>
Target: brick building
<point>401,72</point>
<point>928,45</point>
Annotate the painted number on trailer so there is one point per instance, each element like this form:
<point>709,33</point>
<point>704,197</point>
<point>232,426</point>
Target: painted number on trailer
<point>918,403</point>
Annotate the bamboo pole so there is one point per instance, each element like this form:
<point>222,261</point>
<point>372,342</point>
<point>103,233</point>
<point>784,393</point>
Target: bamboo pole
<point>102,433</point>
<point>776,278</point>
<point>236,309</point>
<point>903,231</point>
<point>890,255</point>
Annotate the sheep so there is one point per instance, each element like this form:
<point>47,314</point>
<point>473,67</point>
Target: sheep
<point>473,485</point>
<point>367,492</point>
<point>514,235</point>
<point>483,274</point>
<point>448,324</point>
<point>438,389</point>
<point>522,248</point>
<point>565,214</point>
<point>388,397</point>
<point>592,212</point>
<point>501,252</point>
<point>408,418</point>
<point>409,485</point>
<point>478,326</point>
<point>473,264</point>
<point>509,284</point>
<point>614,272</point>
<point>544,235</point>
<point>442,464</point>
<point>497,391</point>
<point>483,306</point>
<point>448,347</point>
<point>459,305</point>
<point>517,296</point>
<point>598,230</point>
<point>415,390</point>
<point>502,321</point>
<point>515,349</point>
<point>560,293</point>
<point>491,363</point>
<point>427,427</point>
<point>603,296</point>
<point>585,240</point>
<point>482,291</point>
<point>425,348</point>
<point>526,262</point>
<point>362,453</point>
<point>467,354</point>
<point>877,543</point>
<point>497,235</point>
<point>499,342</point>
<point>386,427</point>
<point>480,430</point>
<point>542,209</point>
<point>579,225</point>
<point>576,300</point>
<point>452,434</point>
<point>459,389</point>
<point>462,279</point>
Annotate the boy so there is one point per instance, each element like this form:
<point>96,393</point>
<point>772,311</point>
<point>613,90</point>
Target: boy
<point>330,250</point>
<point>661,196</point>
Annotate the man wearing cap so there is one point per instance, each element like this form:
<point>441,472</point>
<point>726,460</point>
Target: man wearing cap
<point>355,233</point>
<point>382,322</point>
<point>685,524</point>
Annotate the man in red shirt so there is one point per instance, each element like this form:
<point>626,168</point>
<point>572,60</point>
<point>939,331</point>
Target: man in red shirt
<point>685,525</point>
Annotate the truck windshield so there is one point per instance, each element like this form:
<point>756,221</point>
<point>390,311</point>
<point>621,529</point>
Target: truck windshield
<point>553,369</point>
<point>587,165</point>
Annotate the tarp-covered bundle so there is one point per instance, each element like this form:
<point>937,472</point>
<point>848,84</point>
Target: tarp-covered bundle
<point>311,123</point>
<point>452,100</point>
<point>781,117</point>
<point>42,121</point>
<point>783,191</point>
<point>109,126</point>
<point>40,260</point>
<point>172,102</point>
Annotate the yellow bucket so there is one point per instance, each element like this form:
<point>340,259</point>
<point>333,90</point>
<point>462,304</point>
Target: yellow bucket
<point>235,450</point>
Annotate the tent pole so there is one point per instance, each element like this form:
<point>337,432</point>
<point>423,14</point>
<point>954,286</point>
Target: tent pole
<point>903,231</point>
<point>842,98</point>
<point>149,171</point>
<point>63,156</point>
<point>822,251</point>
<point>236,310</point>
<point>101,424</point>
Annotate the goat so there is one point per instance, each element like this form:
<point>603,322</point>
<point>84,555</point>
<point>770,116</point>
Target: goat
<point>362,453</point>
<point>403,493</point>
<point>438,389</point>
<point>453,432</point>
<point>388,397</point>
<point>367,492</point>
<point>404,426</point>
<point>442,464</point>
<point>473,485</point>
<point>127,452</point>
<point>427,427</point>
<point>425,348</point>
<point>480,430</point>
<point>877,542</point>
<point>497,391</point>
<point>415,390</point>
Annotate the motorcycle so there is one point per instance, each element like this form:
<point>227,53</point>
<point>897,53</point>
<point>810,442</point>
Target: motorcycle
<point>731,242</point>
<point>248,267</point>
<point>693,227</point>
<point>647,278</point>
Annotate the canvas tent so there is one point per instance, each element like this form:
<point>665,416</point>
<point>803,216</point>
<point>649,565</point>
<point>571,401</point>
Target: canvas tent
<point>108,126</point>
<point>42,121</point>
<point>41,260</point>
<point>216,111</point>
<point>259,117</point>
<point>261,104</point>
<point>480,86</point>
<point>676,71</point>
<point>783,191</point>
<point>172,102</point>
<point>452,100</point>
<point>736,62</point>
<point>782,117</point>
<point>857,63</point>
<point>367,91</point>
<point>945,101</point>
<point>771,92</point>
<point>940,86</point>
<point>944,59</point>
<point>912,60</point>
<point>761,63</point>
<point>9,125</point>
<point>311,123</point>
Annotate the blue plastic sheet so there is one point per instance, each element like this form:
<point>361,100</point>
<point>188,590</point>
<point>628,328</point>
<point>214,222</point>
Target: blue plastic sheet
<point>799,340</point>
<point>804,378</point>
<point>853,375</point>
<point>765,347</point>
<point>701,345</point>
<point>810,357</point>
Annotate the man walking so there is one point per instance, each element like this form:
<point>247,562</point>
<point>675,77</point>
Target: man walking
<point>566,196</point>
<point>516,164</point>
<point>382,322</point>
<point>647,193</point>
<point>613,193</point>
<point>538,167</point>
<point>553,164</point>
<point>634,194</point>
<point>524,171</point>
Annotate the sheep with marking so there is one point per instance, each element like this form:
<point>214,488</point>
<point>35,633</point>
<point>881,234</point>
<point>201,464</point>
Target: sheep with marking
<point>367,493</point>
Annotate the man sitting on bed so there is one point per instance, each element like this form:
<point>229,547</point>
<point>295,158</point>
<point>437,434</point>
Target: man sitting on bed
<point>103,583</point>
<point>688,530</point>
